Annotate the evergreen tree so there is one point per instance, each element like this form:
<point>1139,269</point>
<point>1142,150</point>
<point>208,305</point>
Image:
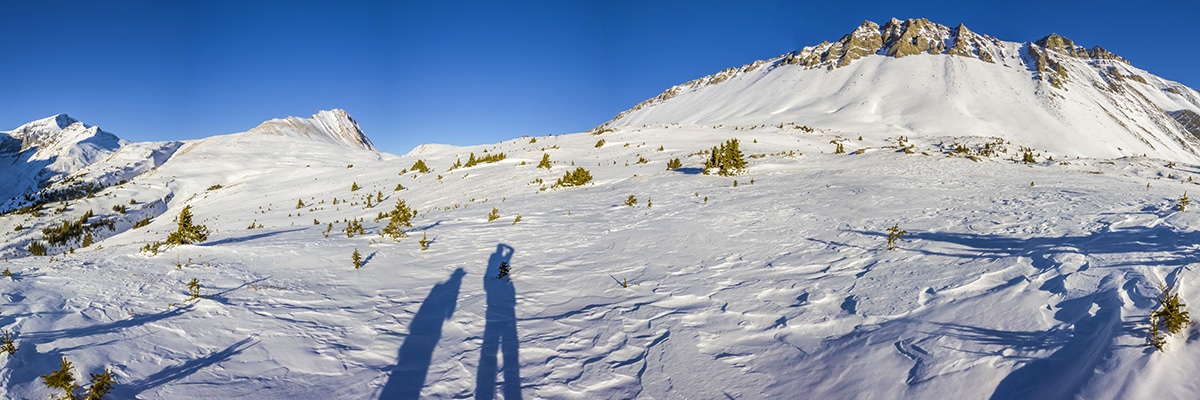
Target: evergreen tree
<point>727,159</point>
<point>420,166</point>
<point>399,218</point>
<point>299,204</point>
<point>101,384</point>
<point>545,163</point>
<point>357,258</point>
<point>187,232</point>
<point>494,215</point>
<point>674,164</point>
<point>62,379</point>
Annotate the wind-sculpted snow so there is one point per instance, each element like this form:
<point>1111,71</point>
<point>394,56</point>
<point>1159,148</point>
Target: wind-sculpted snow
<point>1014,280</point>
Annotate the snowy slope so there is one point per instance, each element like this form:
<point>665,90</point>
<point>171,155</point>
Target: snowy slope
<point>757,290</point>
<point>1051,94</point>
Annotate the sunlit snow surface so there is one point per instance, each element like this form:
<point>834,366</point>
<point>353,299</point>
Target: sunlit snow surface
<point>1013,281</point>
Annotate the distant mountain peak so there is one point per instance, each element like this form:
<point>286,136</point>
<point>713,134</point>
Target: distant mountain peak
<point>54,133</point>
<point>333,126</point>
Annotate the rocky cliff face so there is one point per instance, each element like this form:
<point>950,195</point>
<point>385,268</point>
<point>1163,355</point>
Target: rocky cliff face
<point>898,39</point>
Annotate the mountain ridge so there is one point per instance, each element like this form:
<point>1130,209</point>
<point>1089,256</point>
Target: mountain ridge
<point>903,77</point>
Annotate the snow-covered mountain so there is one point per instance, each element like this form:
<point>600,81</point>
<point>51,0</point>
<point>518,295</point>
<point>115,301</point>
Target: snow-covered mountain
<point>332,126</point>
<point>904,260</point>
<point>41,152</point>
<point>919,78</point>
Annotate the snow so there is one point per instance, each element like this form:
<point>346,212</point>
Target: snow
<point>1014,280</point>
<point>763,290</point>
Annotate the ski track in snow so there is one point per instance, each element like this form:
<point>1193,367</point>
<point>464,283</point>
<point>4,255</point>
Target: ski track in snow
<point>999,289</point>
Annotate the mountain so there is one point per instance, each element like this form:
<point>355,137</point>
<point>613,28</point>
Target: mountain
<point>918,78</point>
<point>43,154</point>
<point>332,126</point>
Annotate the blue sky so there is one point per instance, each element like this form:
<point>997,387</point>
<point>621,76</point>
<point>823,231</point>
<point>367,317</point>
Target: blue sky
<point>463,72</point>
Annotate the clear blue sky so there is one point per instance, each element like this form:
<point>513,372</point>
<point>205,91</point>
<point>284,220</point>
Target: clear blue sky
<point>464,72</point>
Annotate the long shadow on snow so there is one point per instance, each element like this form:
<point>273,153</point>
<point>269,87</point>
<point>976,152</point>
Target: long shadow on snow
<point>246,238</point>
<point>424,331</point>
<point>1158,239</point>
<point>500,332</point>
<point>171,374</point>
<point>1062,374</point>
<point>115,326</point>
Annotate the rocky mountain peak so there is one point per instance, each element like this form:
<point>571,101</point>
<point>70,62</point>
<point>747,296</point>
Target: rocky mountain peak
<point>333,126</point>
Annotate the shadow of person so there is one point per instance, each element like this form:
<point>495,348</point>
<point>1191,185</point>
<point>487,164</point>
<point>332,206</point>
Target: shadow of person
<point>500,333</point>
<point>412,364</point>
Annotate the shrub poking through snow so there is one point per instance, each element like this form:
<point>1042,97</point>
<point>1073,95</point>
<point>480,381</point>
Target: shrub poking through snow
<point>726,159</point>
<point>354,227</point>
<point>1183,203</point>
<point>578,177</point>
<point>545,163</point>
<point>194,289</point>
<point>494,215</point>
<point>62,379</point>
<point>631,201</point>
<point>399,218</point>
<point>141,223</point>
<point>7,274</point>
<point>600,143</point>
<point>37,248</point>
<point>1028,158</point>
<point>354,187</point>
<point>187,232</point>
<point>840,149</point>
<point>424,241</point>
<point>517,219</point>
<point>299,204</point>
<point>674,164</point>
<point>894,234</point>
<point>356,257</point>
<point>504,270</point>
<point>420,166</point>
<point>1170,316</point>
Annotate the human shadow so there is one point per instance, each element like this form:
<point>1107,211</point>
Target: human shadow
<point>500,332</point>
<point>424,331</point>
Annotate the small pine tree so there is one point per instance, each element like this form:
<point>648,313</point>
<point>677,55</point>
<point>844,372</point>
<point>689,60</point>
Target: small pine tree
<point>420,167</point>
<point>578,177</point>
<point>299,204</point>
<point>1028,157</point>
<point>840,149</point>
<point>424,241</point>
<point>37,248</point>
<point>88,240</point>
<point>194,288</point>
<point>674,164</point>
<point>631,201</point>
<point>517,219</point>
<point>354,187</point>
<point>1169,316</point>
<point>398,188</point>
<point>545,163</point>
<point>894,234</point>
<point>494,215</point>
<point>187,232</point>
<point>101,384</point>
<point>356,257</point>
<point>727,159</point>
<point>8,274</point>
<point>600,143</point>
<point>62,379</point>
<point>649,203</point>
<point>8,346</point>
<point>1183,203</point>
<point>399,218</point>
